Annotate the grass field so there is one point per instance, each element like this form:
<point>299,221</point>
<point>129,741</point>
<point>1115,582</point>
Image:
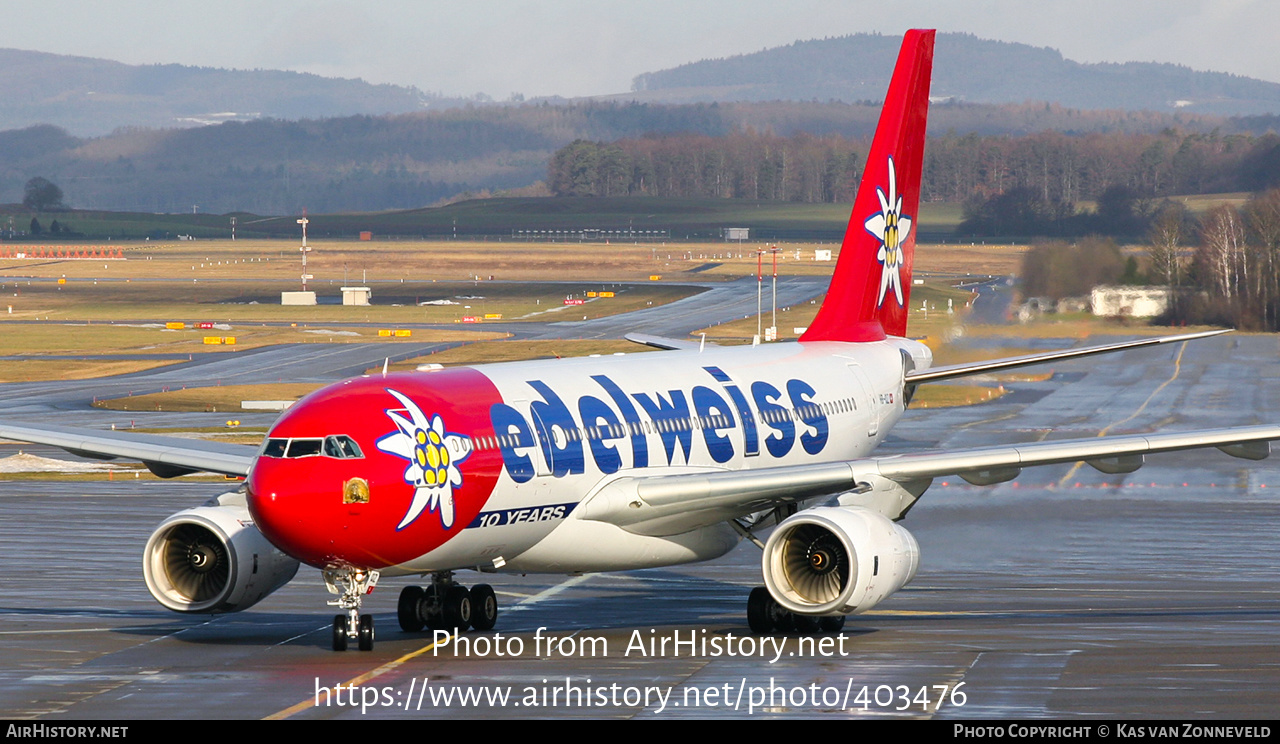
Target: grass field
<point>675,219</point>
<point>53,338</point>
<point>35,370</point>
<point>229,301</point>
<point>505,218</point>
<point>219,399</point>
<point>254,265</point>
<point>514,350</point>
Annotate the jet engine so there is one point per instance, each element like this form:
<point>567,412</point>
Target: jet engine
<point>838,560</point>
<point>213,559</point>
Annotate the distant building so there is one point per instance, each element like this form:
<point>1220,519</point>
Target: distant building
<point>1133,302</point>
<point>356,295</point>
<point>297,298</point>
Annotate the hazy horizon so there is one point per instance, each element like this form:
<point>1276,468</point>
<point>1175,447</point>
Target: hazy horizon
<point>577,48</point>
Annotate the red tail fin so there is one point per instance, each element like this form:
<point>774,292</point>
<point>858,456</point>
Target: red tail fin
<point>872,283</point>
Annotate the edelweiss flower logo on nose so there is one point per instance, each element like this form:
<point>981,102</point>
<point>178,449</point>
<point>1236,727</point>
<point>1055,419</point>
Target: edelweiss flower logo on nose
<point>433,456</point>
<point>891,227</point>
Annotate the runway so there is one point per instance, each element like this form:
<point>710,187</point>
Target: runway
<point>1065,593</point>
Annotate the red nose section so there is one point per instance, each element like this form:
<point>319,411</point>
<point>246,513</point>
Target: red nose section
<point>376,471</point>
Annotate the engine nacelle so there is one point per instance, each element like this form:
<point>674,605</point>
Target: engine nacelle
<point>838,560</point>
<point>213,559</point>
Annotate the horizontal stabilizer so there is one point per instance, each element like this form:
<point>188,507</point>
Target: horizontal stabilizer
<point>995,365</point>
<point>662,342</point>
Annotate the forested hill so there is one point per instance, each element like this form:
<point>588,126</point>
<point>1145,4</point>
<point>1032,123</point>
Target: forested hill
<point>966,68</point>
<point>89,97</point>
<point>271,166</point>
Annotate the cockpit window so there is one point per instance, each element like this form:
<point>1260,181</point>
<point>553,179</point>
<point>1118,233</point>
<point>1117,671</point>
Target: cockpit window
<point>342,446</point>
<point>303,447</point>
<point>339,446</point>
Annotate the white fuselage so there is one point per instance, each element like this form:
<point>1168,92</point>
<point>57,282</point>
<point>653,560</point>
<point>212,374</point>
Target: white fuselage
<point>569,427</point>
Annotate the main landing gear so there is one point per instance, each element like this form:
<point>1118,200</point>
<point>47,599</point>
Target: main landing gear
<point>446,605</point>
<point>765,615</point>
<point>351,584</point>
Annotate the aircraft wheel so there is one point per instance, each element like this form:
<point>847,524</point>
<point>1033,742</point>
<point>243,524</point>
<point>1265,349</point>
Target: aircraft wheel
<point>783,620</point>
<point>366,632</point>
<point>484,607</point>
<point>831,623</point>
<point>457,609</point>
<point>411,620</point>
<point>429,609</point>
<point>805,623</point>
<point>339,632</point>
<point>760,610</point>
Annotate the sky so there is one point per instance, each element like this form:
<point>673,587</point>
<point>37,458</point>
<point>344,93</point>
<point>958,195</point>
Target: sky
<point>595,47</point>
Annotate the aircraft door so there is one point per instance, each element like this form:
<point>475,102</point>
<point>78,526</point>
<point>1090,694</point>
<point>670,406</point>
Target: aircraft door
<point>865,399</point>
<point>547,443</point>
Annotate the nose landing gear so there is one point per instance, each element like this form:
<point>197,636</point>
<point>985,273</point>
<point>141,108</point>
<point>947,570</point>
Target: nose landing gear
<point>351,584</point>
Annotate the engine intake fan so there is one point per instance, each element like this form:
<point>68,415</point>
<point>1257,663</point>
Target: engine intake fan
<point>213,559</point>
<point>838,560</point>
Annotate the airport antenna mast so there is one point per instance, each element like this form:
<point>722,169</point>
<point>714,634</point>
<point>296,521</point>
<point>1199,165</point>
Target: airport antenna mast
<point>305,250</point>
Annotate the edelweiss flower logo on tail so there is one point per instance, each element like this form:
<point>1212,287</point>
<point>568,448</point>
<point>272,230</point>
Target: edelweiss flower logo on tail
<point>433,456</point>
<point>891,227</point>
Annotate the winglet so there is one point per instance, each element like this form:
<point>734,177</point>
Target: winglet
<point>872,282</point>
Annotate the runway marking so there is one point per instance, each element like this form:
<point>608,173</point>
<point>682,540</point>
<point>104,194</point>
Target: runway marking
<point>397,663</point>
<point>357,680</point>
<point>300,635</point>
<point>549,593</point>
<point>1177,370</point>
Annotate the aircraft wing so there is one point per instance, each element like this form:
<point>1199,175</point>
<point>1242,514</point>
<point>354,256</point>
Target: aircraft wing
<point>935,374</point>
<point>165,456</point>
<point>677,503</point>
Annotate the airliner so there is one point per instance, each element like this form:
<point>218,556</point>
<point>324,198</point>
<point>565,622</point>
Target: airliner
<point>607,464</point>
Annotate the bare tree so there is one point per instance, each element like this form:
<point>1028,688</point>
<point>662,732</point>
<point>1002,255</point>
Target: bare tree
<point>1222,251</point>
<point>1262,221</point>
<point>1169,228</point>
